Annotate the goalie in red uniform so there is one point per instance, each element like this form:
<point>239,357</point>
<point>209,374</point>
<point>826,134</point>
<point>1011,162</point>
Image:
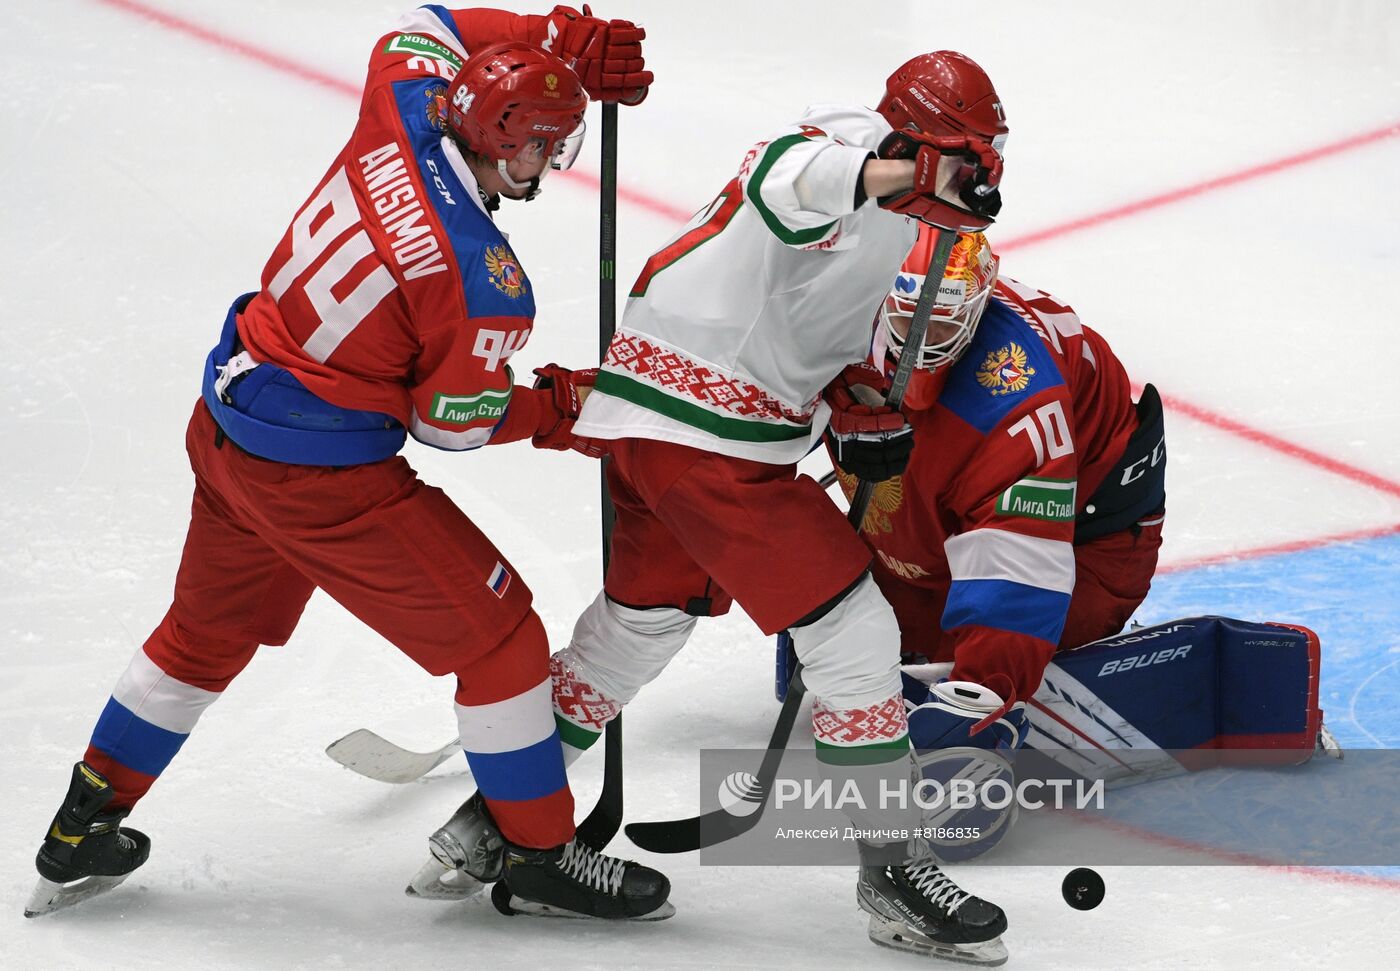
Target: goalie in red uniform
<point>390,307</point>
<point>1030,514</point>
<point>1028,522</point>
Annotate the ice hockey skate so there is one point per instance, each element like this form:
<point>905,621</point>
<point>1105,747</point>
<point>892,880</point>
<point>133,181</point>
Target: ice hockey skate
<point>467,853</point>
<point>86,852</point>
<point>918,908</point>
<point>575,880</point>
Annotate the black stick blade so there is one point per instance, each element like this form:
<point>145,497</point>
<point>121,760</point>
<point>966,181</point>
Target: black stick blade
<point>688,835</point>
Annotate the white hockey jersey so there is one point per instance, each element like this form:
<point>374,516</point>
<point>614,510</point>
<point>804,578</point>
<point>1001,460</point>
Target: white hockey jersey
<point>737,324</point>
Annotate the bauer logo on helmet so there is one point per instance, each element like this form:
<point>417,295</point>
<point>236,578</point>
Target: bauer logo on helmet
<point>923,100</point>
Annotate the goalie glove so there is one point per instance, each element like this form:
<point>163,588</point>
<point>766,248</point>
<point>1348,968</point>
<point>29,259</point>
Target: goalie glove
<point>605,54</point>
<point>955,179</point>
<point>868,439</point>
<point>962,713</point>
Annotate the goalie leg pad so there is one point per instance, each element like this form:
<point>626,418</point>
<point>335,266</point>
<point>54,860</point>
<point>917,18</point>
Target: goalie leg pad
<point>1205,683</point>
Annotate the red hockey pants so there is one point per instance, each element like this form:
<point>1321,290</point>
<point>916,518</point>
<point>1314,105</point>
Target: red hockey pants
<point>396,553</point>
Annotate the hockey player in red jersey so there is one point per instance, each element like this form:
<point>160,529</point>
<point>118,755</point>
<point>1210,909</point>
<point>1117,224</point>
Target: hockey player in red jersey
<point>1030,514</point>
<point>391,307</point>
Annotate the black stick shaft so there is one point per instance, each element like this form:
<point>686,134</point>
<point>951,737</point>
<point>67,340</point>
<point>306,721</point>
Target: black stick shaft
<point>607,288</point>
<point>918,329</point>
<point>601,825</point>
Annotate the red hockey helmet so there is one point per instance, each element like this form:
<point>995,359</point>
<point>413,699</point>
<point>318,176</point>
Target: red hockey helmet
<point>513,98</point>
<point>944,93</point>
<point>962,296</point>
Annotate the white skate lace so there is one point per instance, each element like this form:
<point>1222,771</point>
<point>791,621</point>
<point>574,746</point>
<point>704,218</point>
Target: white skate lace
<point>935,885</point>
<point>588,866</point>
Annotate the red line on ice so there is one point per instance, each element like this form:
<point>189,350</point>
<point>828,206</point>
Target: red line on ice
<point>287,65</point>
<point>1291,449</point>
<point>669,210</point>
<point>660,207</point>
<point>1200,188</point>
<point>1293,546</point>
<point>208,35</point>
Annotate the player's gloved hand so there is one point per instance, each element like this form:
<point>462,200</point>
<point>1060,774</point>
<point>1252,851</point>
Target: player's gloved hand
<point>868,439</point>
<point>606,54</point>
<point>567,391</point>
<point>948,170</point>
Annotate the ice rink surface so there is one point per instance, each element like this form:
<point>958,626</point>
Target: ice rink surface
<point>1212,186</point>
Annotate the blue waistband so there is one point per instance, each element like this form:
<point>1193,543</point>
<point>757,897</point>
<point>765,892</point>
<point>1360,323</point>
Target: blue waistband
<point>269,413</point>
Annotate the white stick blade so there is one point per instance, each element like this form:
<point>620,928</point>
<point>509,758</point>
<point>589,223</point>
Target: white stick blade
<point>378,758</point>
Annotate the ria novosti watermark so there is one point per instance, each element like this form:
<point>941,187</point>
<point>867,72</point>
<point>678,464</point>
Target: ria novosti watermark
<point>936,795</point>
<point>1180,807</point>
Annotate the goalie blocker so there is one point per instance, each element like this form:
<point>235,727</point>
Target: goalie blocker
<point>1130,707</point>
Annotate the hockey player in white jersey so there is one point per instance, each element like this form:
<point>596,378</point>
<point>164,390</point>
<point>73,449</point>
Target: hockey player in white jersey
<point>735,353</point>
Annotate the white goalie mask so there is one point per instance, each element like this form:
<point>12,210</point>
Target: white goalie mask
<point>962,296</point>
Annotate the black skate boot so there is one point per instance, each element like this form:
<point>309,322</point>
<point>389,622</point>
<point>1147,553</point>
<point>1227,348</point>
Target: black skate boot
<point>918,908</point>
<point>575,880</point>
<point>86,852</point>
<point>467,853</point>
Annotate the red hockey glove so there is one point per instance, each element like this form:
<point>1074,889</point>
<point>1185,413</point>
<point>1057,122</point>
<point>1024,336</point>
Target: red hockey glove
<point>565,402</point>
<point>606,54</point>
<point>955,179</point>
<point>868,439</point>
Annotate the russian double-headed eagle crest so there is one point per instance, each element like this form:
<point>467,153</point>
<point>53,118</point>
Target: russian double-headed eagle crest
<point>504,271</point>
<point>437,106</point>
<point>887,497</point>
<point>1006,370</point>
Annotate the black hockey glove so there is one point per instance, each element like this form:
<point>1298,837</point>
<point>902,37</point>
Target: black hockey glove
<point>868,439</point>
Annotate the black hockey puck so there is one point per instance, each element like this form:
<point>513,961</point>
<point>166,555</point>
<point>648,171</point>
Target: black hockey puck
<point>1082,889</point>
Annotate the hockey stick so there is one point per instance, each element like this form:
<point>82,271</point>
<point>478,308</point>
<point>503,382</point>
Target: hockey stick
<point>716,826</point>
<point>601,825</point>
<point>375,757</point>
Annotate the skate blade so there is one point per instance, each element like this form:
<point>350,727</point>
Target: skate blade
<point>895,935</point>
<point>433,881</point>
<point>49,896</point>
<point>1327,743</point>
<point>529,908</point>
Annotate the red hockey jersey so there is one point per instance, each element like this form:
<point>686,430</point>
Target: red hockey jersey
<point>393,291</point>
